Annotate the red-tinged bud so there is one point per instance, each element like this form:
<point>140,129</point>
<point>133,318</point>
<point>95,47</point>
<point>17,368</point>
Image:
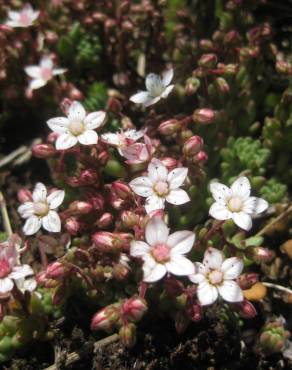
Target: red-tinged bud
<point>65,105</point>
<point>100,17</point>
<point>114,105</point>
<point>169,163</point>
<point>284,67</point>
<point>5,28</point>
<point>41,277</point>
<point>121,189</point>
<point>72,225</point>
<point>169,127</point>
<point>206,45</point>
<point>204,116</point>
<point>73,181</point>
<point>231,38</point>
<point>55,270</point>
<point>95,199</point>
<point>260,254</point>
<point>88,177</point>
<point>105,318</point>
<point>105,220</point>
<point>109,24</point>
<point>43,150</point>
<point>248,53</point>
<point>246,309</point>
<point>129,219</point>
<point>52,137</point>
<point>222,85</point>
<point>120,271</point>
<point>246,281</point>
<point>173,286</point>
<point>103,157</point>
<point>105,240</point>
<point>127,26</point>
<point>24,195</point>
<point>75,94</point>
<point>195,312</point>
<point>181,321</point>
<point>200,158</point>
<point>192,85</point>
<point>208,61</point>
<point>127,335</point>
<point>228,69</point>
<point>134,308</point>
<point>193,145</point>
<point>80,207</point>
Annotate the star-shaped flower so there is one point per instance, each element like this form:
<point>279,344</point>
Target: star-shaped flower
<point>123,139</point>
<point>216,277</point>
<point>163,253</point>
<point>236,203</point>
<point>24,18</point>
<point>41,211</point>
<point>77,127</point>
<point>160,186</point>
<point>157,88</point>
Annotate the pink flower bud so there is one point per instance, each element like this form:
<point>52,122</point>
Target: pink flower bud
<point>232,37</point>
<point>193,145</point>
<point>134,308</point>
<point>222,85</point>
<point>129,219</point>
<point>247,280</point>
<point>204,116</point>
<point>72,226</point>
<point>206,45</point>
<point>65,105</point>
<point>120,271</point>
<point>195,312</point>
<point>284,67</point>
<point>121,189</point>
<point>43,150</point>
<point>103,157</point>
<point>24,195</point>
<point>114,105</point>
<point>106,318</point>
<point>52,137</point>
<point>260,254</point>
<point>55,270</point>
<point>104,240</point>
<point>127,335</point>
<point>75,94</point>
<point>169,163</point>
<point>169,127</point>
<point>247,309</point>
<point>80,207</point>
<point>88,177</point>
<point>105,220</point>
<point>200,158</point>
<point>208,61</point>
<point>228,69</point>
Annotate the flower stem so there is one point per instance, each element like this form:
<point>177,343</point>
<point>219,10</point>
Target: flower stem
<point>5,217</point>
<point>278,287</point>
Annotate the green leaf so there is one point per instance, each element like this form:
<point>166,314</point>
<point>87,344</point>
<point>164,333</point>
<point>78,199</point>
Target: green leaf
<point>254,241</point>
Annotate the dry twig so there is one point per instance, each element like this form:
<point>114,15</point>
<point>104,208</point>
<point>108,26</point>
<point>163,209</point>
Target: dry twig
<point>271,224</point>
<point>4,214</point>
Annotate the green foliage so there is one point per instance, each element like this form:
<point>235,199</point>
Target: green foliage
<point>96,97</point>
<point>273,190</point>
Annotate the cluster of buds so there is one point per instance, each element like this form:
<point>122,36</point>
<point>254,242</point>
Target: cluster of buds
<point>273,337</point>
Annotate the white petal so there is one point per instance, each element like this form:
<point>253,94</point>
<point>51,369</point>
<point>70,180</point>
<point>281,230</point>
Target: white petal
<point>153,203</point>
<point>58,124</point>
<point>58,71</point>
<point>134,134</point>
<point>13,15</point>
<point>200,273</point>
<point>46,62</point>
<point>230,291</point>
<point>22,271</point>
<point>142,186</point>
<point>153,84</point>
<point>255,205</point>
<point>167,91</point>
<point>13,24</point>
<point>33,71</point>
<point>26,209</point>
<point>76,111</point>
<point>180,266</point>
<point>94,120</point>
<point>151,101</point>
<point>55,198</point>
<point>213,258</point>
<point>167,76</point>
<point>232,267</point>
<point>156,232</point>
<point>141,97</point>
<point>220,192</point>
<point>154,274</point>
<point>219,211</point>
<point>176,177</point>
<point>243,220</point>
<point>178,197</point>
<point>207,294</point>
<point>89,137</point>
<point>40,193</point>
<point>139,249</point>
<point>37,83</point>
<point>26,284</point>
<point>52,222</point>
<point>32,225</point>
<point>157,171</point>
<point>66,141</point>
<point>181,242</point>
<point>241,187</point>
<point>35,15</point>
<point>6,285</point>
<point>111,139</point>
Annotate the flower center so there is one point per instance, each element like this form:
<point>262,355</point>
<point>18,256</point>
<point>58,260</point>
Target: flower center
<point>161,188</point>
<point>4,268</point>
<point>215,277</point>
<point>46,73</point>
<point>76,127</point>
<point>24,18</point>
<point>156,90</point>
<point>161,253</point>
<point>41,208</point>
<point>235,204</point>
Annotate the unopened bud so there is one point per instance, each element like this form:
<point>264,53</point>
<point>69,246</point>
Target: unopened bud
<point>105,220</point>
<point>103,157</point>
<point>228,69</point>
<point>24,195</point>
<point>284,67</point>
<point>273,337</point>
<point>107,241</point>
<point>195,312</point>
<point>114,105</point>
<point>43,150</point>
<point>134,308</point>
<point>247,309</point>
<point>246,281</point>
<point>65,105</point>
<point>169,127</point>
<point>222,85</point>
<point>169,162</point>
<point>80,207</point>
<point>206,45</point>
<point>200,158</point>
<point>129,219</point>
<point>88,177</point>
<point>72,226</point>
<point>193,145</point>
<point>208,61</point>
<point>55,270</point>
<point>121,189</point>
<point>120,271</point>
<point>192,85</point>
<point>105,318</point>
<point>127,335</point>
<point>260,254</point>
<point>231,38</point>
<point>204,116</point>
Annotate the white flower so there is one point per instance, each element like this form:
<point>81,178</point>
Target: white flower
<point>41,212</point>
<point>9,270</point>
<point>216,277</point>
<point>163,253</point>
<point>157,88</point>
<point>42,73</point>
<point>122,140</point>
<point>236,203</point>
<point>78,127</point>
<point>24,18</point>
<point>161,186</point>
